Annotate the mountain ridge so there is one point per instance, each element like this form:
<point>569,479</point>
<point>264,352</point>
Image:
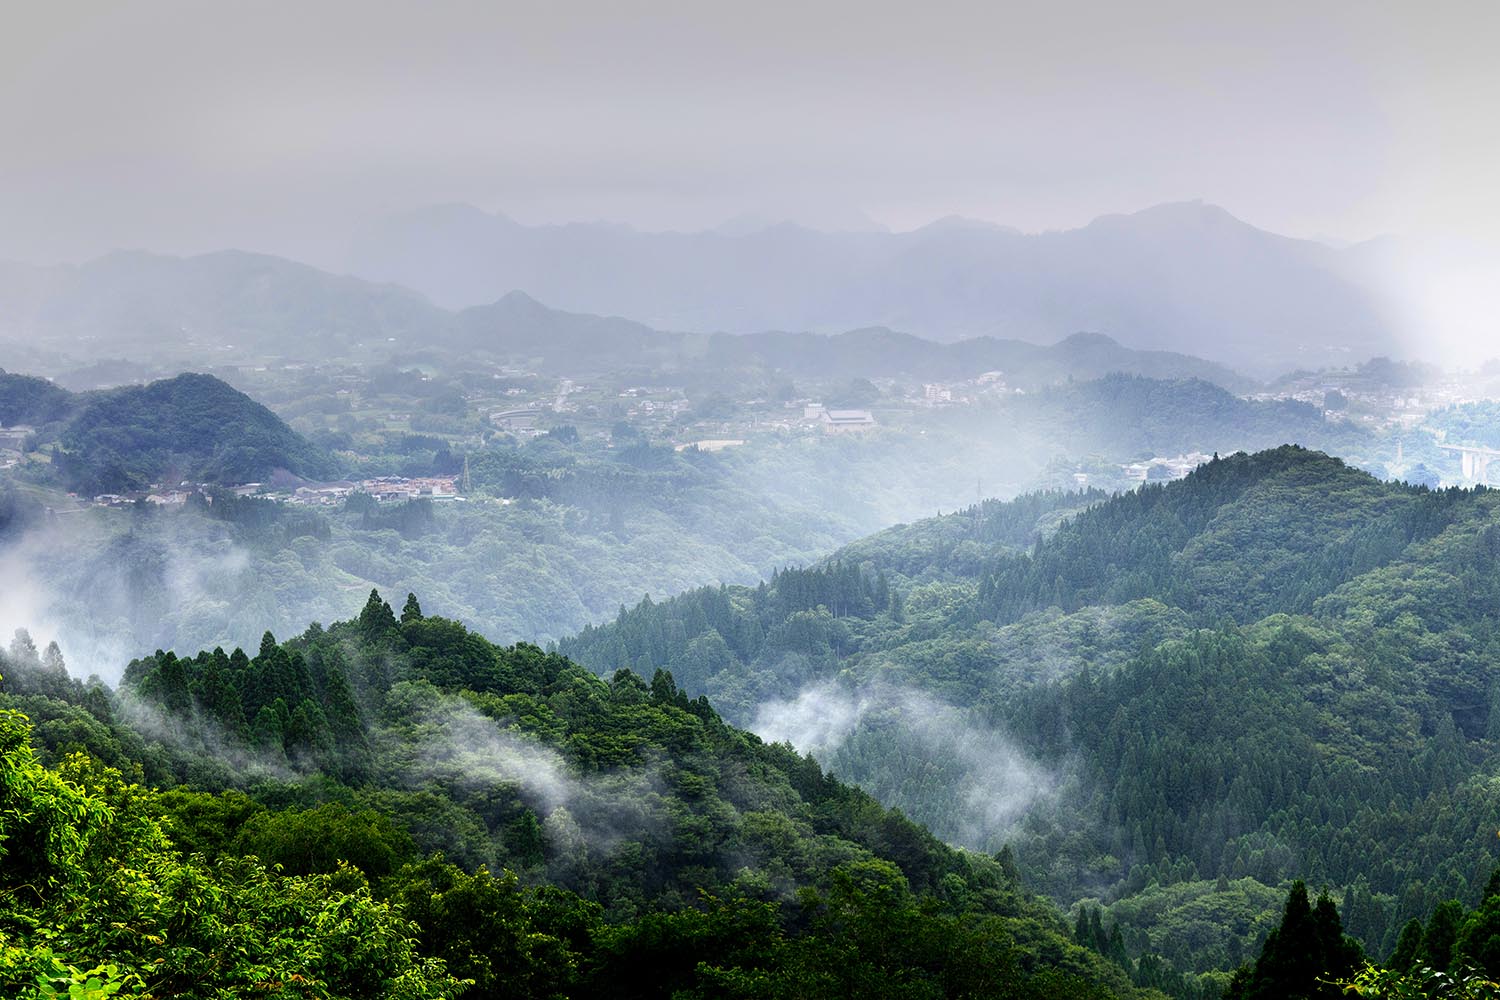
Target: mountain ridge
<point>233,306</point>
<point>1241,674</point>
<point>1161,278</point>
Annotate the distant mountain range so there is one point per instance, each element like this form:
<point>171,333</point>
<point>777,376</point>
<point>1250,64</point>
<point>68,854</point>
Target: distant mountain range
<point>199,308</point>
<point>1188,278</point>
<point>1185,277</point>
<point>520,327</point>
<point>232,306</point>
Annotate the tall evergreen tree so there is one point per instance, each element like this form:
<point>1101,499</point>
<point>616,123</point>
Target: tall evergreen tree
<point>377,617</point>
<point>1408,947</point>
<point>412,611</point>
<point>1442,934</point>
<point>1303,956</point>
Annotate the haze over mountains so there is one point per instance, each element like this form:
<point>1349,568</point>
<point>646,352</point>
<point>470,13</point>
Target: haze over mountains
<point>232,306</point>
<point>132,300</point>
<point>1186,277</point>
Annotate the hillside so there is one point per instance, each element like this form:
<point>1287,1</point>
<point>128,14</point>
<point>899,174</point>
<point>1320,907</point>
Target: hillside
<point>192,427</point>
<point>26,399</point>
<point>640,847</point>
<point>1124,414</point>
<point>1160,279</point>
<point>1171,701</point>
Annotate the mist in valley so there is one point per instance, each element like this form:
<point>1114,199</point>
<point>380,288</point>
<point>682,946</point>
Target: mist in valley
<point>772,500</point>
<point>994,783</point>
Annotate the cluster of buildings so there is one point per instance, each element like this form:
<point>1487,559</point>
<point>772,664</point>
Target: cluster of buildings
<point>158,496</point>
<point>1158,468</point>
<point>668,408</point>
<point>711,444</point>
<point>12,443</point>
<point>963,391</point>
<point>1361,397</point>
<point>385,489</point>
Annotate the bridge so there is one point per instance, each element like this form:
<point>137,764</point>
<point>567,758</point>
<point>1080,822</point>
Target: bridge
<point>1475,461</point>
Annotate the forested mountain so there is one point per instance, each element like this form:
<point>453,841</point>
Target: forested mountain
<point>332,810</point>
<point>1171,701</point>
<point>192,427</point>
<point>1126,415</point>
<point>1163,278</point>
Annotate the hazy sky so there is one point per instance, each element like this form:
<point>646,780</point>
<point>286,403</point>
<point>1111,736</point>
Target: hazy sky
<point>188,126</point>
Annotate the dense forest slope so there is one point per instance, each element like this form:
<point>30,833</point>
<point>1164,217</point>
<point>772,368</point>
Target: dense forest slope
<point>640,846</point>
<point>26,399</point>
<point>191,427</point>
<point>1278,667</point>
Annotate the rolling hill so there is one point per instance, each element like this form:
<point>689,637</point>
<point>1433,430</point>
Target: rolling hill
<point>192,427</point>
<point>26,399</point>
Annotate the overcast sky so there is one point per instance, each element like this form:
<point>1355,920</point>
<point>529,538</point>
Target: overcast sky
<point>188,126</point>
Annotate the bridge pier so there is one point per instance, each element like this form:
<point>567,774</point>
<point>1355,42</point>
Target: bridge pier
<point>1473,461</point>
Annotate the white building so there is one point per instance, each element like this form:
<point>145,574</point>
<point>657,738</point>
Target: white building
<point>847,421</point>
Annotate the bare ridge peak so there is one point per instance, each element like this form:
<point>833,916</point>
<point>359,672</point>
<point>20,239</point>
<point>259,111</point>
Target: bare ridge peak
<point>1087,338</point>
<point>1193,212</point>
<point>966,223</point>
<point>516,297</point>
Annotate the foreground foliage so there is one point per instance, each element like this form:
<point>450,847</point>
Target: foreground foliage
<point>394,804</point>
<point>91,881</point>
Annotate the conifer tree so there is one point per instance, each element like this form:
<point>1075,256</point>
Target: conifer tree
<point>377,616</point>
<point>1303,957</point>
<point>1408,947</point>
<point>412,611</point>
<point>1442,934</point>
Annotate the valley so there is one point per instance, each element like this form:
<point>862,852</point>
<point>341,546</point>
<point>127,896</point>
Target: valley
<point>791,501</point>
